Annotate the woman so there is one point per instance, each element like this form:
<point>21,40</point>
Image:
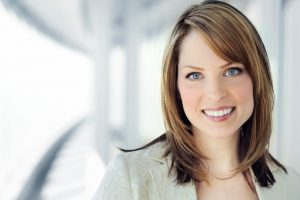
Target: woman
<point>217,99</point>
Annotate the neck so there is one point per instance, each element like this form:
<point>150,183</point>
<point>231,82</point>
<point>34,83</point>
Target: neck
<point>221,153</point>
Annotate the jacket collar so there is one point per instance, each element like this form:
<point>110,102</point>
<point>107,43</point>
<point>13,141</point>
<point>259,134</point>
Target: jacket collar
<point>168,189</point>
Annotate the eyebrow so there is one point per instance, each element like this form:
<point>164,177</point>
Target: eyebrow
<point>202,69</point>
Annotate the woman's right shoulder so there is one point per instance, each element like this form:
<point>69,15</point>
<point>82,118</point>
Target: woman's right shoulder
<point>143,158</point>
<point>129,168</point>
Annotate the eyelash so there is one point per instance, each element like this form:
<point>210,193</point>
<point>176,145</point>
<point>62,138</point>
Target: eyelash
<point>239,71</point>
<point>188,76</point>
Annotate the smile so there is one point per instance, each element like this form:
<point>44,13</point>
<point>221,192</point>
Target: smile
<point>219,114</point>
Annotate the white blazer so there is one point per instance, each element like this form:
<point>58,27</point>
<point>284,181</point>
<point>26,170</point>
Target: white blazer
<point>143,175</point>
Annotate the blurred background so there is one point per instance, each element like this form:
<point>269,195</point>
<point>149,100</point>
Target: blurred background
<point>80,77</point>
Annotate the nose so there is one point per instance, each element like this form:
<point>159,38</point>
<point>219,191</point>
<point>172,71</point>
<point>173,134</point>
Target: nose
<point>215,90</point>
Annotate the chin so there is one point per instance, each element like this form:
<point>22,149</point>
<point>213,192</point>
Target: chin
<point>218,134</point>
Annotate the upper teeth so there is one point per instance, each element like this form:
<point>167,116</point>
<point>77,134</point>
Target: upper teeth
<point>218,113</point>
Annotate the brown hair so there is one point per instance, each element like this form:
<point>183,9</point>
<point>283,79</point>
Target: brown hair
<point>234,38</point>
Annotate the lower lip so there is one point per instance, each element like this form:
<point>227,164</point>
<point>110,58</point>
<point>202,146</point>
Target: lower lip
<point>220,119</point>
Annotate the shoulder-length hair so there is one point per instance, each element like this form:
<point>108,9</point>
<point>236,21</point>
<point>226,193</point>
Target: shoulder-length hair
<point>234,38</point>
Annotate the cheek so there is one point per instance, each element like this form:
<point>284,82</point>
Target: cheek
<point>189,96</point>
<point>244,94</point>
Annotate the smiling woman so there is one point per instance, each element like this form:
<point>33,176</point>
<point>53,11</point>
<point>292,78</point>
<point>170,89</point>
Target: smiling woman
<point>217,99</point>
<point>217,102</point>
<point>210,91</point>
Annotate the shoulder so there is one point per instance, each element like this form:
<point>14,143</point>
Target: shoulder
<point>115,183</point>
<point>291,177</point>
<point>139,163</point>
<point>285,187</point>
<point>140,159</point>
<point>144,157</point>
<point>128,175</point>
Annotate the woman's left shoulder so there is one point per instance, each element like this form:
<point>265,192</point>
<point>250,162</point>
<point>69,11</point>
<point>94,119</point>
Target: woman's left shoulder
<point>293,181</point>
<point>286,184</point>
<point>294,176</point>
<point>290,177</point>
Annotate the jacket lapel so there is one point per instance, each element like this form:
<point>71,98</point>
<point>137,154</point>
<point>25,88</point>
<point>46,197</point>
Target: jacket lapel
<point>165,184</point>
<point>167,187</point>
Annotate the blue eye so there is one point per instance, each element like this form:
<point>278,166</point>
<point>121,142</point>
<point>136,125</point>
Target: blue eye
<point>232,72</point>
<point>194,76</point>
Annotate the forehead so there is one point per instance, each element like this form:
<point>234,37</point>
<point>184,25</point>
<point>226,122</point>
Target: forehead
<point>195,51</point>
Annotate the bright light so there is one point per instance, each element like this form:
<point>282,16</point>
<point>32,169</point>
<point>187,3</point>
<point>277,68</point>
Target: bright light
<point>44,89</point>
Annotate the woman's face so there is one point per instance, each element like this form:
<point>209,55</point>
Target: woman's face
<point>217,96</point>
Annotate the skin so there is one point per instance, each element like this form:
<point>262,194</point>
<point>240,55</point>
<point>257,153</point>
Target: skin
<point>208,83</point>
